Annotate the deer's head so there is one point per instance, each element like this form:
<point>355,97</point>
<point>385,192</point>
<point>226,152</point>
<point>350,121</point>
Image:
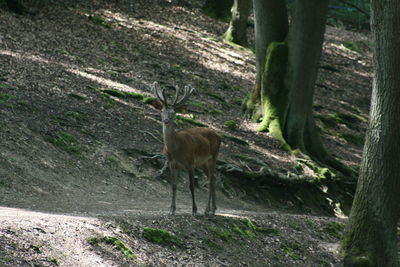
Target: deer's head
<point>168,111</point>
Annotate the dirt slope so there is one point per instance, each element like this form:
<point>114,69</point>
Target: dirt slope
<point>79,159</point>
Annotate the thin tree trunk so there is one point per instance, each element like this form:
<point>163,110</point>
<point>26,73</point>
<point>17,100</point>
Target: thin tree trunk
<point>371,235</point>
<point>237,30</point>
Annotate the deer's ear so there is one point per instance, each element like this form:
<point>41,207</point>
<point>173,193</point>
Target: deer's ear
<point>181,109</point>
<point>157,104</point>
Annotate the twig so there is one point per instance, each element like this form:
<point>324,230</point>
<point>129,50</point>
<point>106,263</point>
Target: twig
<point>152,135</point>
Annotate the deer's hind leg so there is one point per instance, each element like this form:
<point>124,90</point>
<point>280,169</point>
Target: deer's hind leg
<point>209,171</point>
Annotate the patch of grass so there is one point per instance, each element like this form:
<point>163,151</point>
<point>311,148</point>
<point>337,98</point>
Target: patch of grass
<point>350,45</point>
<point>112,162</point>
<point>63,52</point>
<point>310,223</point>
<point>160,237</point>
<point>357,140</point>
<point>231,124</point>
<point>332,120</point>
<point>246,228</point>
<point>35,248</point>
<point>107,101</point>
<point>5,98</point>
<point>126,95</point>
<point>114,92</point>
<point>4,85</point>
<point>115,242</point>
<point>295,226</point>
<point>335,229</point>
<point>77,96</point>
<point>235,140</point>
<point>54,261</point>
<point>221,233</point>
<point>215,111</point>
<point>65,141</point>
<point>293,249</point>
<point>268,231</point>
<point>99,21</point>
<point>183,120</point>
<point>216,97</point>
<point>76,116</point>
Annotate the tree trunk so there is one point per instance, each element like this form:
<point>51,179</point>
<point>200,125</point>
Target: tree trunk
<point>270,25</point>
<point>305,45</point>
<point>219,9</point>
<point>371,234</point>
<point>237,30</point>
<point>285,83</point>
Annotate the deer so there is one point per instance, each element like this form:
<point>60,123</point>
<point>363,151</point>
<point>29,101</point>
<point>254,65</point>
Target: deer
<point>187,149</point>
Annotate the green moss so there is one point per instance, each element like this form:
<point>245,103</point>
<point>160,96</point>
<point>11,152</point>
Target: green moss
<point>54,261</point>
<point>182,120</point>
<point>118,245</point>
<point>215,111</point>
<point>35,248</point>
<point>230,124</point>
<point>223,234</point>
<point>99,21</point>
<point>357,140</point>
<point>293,249</point>
<point>4,85</point>
<point>350,45</point>
<point>216,97</point>
<point>77,96</point>
<point>114,92</point>
<point>335,229</point>
<point>107,101</point>
<point>319,172</point>
<point>4,98</point>
<point>148,100</point>
<point>160,237</point>
<point>246,228</point>
<point>65,141</point>
<point>235,140</point>
<point>332,120</point>
<point>76,116</point>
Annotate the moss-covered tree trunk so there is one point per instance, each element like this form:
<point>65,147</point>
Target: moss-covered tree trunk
<point>371,234</point>
<point>219,9</point>
<point>270,25</point>
<point>237,30</point>
<point>286,75</point>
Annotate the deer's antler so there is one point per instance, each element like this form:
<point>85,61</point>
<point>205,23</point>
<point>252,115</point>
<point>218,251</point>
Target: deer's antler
<point>159,93</point>
<point>187,91</point>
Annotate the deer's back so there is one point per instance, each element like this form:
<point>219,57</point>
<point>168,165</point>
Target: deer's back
<point>195,146</point>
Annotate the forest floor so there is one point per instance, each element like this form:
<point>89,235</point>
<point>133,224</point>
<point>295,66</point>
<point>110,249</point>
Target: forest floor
<point>80,146</point>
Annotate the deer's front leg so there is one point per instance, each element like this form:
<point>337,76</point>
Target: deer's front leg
<point>173,184</point>
<point>191,179</point>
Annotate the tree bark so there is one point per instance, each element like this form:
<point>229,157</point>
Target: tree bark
<point>237,30</point>
<point>371,234</point>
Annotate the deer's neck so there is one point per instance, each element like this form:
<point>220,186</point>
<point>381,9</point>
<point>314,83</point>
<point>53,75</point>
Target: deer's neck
<point>170,139</point>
